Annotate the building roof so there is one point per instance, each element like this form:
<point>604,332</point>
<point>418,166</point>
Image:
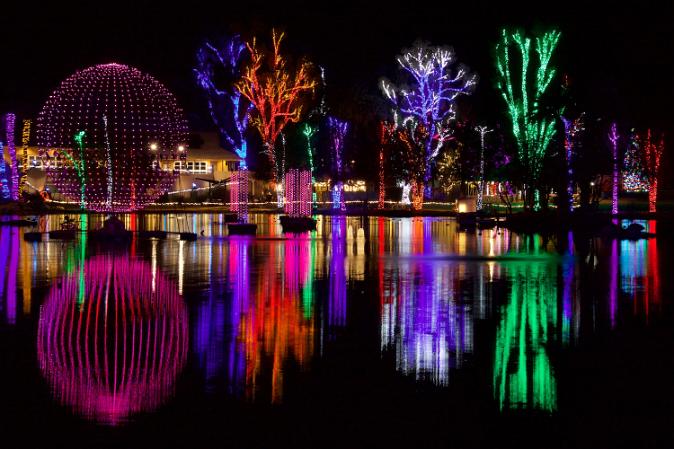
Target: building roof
<point>211,149</point>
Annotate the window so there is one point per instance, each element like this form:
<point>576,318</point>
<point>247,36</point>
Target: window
<point>34,161</point>
<point>197,166</point>
<point>232,165</point>
<point>178,165</point>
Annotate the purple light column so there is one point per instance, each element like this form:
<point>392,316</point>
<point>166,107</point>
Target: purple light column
<point>613,137</point>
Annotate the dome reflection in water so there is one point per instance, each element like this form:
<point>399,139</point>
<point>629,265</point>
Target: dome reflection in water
<point>112,338</point>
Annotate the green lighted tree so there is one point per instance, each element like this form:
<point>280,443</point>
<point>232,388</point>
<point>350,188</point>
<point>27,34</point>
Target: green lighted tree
<point>523,84</point>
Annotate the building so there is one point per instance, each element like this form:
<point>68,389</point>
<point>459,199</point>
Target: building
<point>207,165</point>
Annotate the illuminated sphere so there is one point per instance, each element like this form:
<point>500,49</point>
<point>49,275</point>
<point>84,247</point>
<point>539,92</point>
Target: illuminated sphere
<point>120,172</point>
<point>112,338</point>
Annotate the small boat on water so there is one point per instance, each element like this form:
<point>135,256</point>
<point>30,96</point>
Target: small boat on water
<point>297,224</point>
<point>68,231</point>
<point>113,231</point>
<point>242,228</point>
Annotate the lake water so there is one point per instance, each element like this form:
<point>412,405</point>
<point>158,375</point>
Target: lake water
<point>369,332</point>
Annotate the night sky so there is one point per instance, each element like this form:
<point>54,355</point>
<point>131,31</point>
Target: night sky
<point>619,58</point>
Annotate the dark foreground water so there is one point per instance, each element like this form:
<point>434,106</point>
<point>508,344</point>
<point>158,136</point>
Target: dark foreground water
<point>368,333</point>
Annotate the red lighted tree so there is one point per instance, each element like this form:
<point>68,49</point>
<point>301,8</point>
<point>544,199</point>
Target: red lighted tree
<point>652,152</point>
<point>277,93</point>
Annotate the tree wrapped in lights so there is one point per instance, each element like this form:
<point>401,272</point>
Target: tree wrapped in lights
<point>482,130</point>
<point>412,135</point>
<point>430,97</point>
<point>523,86</point>
<point>10,120</point>
<point>613,136</point>
<point>386,133</point>
<point>338,129</point>
<point>277,94</point>
<point>229,111</point>
<point>5,193</point>
<point>634,178</point>
<point>132,125</point>
<point>652,152</point>
<point>571,130</point>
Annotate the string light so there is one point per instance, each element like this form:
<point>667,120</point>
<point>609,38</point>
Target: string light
<point>338,129</point>
<point>571,129</point>
<point>25,141</point>
<point>482,130</point>
<point>298,193</point>
<point>532,132</point>
<point>430,97</point>
<point>11,149</point>
<point>613,137</point>
<point>634,178</point>
<point>652,153</point>
<point>122,111</point>
<point>276,93</point>
<point>5,193</point>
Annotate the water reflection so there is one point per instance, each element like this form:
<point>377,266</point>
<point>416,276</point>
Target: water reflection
<point>109,344</point>
<point>523,374</point>
<point>266,311</point>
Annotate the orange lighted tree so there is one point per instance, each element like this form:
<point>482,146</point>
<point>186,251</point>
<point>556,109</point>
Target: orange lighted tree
<point>276,92</point>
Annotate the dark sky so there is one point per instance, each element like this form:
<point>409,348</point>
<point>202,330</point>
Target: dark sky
<point>620,57</point>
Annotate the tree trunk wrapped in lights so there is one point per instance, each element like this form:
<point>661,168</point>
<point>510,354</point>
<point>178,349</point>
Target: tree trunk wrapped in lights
<point>613,137</point>
<point>277,94</point>
<point>523,87</point>
<point>298,193</point>
<point>10,120</point>
<point>430,97</point>
<point>652,152</point>
<point>412,134</point>
<point>571,130</point>
<point>229,111</point>
<point>338,129</point>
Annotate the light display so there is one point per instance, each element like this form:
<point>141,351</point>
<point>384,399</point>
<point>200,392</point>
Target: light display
<point>652,152</point>
<point>5,193</point>
<point>532,131</point>
<point>413,134</point>
<point>614,137</point>
<point>239,194</point>
<point>10,120</point>
<point>523,375</point>
<point>276,93</point>
<point>571,129</point>
<point>338,129</point>
<point>119,351</point>
<point>308,131</point>
<point>386,132</point>
<point>132,123</point>
<point>634,178</point>
<point>25,141</point>
<point>229,113</point>
<point>298,193</point>
<point>80,166</point>
<point>430,97</point>
<point>483,130</point>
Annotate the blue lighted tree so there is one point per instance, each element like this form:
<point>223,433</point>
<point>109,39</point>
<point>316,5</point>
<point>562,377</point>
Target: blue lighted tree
<point>430,96</point>
<point>228,109</point>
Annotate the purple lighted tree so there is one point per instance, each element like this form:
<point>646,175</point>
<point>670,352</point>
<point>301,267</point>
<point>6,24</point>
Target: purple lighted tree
<point>430,96</point>
<point>10,120</point>
<point>229,110</point>
<point>338,129</point>
<point>613,137</point>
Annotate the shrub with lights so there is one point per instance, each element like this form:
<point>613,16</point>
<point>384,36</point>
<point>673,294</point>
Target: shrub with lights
<point>104,134</point>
